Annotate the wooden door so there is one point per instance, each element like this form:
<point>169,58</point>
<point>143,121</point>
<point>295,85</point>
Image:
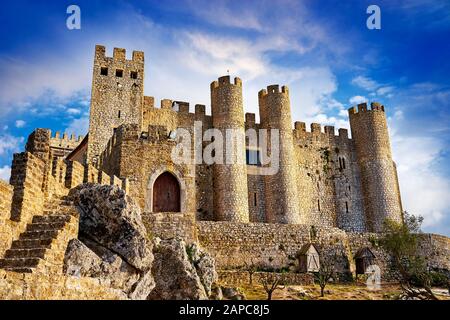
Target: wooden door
<point>166,194</point>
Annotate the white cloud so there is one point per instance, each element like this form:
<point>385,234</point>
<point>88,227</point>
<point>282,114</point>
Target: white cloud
<point>357,99</point>
<point>73,111</point>
<point>365,83</point>
<point>385,90</point>
<point>20,123</point>
<point>9,143</point>
<point>5,173</point>
<point>424,191</point>
<point>78,126</point>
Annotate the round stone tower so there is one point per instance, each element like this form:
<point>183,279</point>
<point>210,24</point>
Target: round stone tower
<point>230,176</point>
<point>381,195</point>
<point>281,191</point>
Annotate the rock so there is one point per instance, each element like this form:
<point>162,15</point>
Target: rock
<point>232,293</point>
<point>95,261</point>
<point>191,273</point>
<point>205,266</point>
<point>216,293</point>
<point>113,244</point>
<point>299,291</point>
<point>111,218</point>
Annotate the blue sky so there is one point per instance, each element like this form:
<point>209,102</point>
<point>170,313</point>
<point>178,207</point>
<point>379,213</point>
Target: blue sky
<point>321,49</point>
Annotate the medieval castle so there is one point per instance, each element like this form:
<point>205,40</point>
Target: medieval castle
<point>329,190</point>
<point>324,179</point>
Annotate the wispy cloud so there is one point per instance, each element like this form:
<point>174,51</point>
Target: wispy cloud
<point>5,173</point>
<point>20,123</point>
<point>365,83</point>
<point>9,143</point>
<point>357,99</point>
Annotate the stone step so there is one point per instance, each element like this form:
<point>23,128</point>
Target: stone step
<point>19,269</point>
<point>43,234</point>
<point>51,218</point>
<point>19,262</point>
<point>31,243</point>
<point>25,253</point>
<point>45,226</point>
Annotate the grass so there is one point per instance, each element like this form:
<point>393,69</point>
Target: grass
<point>354,291</point>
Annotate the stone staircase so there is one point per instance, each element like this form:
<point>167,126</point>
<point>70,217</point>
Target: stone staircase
<point>43,243</point>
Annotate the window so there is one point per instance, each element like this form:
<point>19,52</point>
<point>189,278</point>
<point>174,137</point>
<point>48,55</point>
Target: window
<point>343,163</point>
<point>104,71</point>
<point>254,199</point>
<point>133,74</point>
<point>119,73</point>
<point>318,205</point>
<point>253,157</point>
<point>346,206</point>
<point>118,116</point>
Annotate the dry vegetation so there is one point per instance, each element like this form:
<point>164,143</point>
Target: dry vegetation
<point>355,291</point>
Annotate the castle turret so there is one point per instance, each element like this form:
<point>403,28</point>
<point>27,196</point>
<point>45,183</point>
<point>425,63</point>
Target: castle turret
<point>117,96</point>
<point>280,189</point>
<point>230,177</point>
<point>381,195</point>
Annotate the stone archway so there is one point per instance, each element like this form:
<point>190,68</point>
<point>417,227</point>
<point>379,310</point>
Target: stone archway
<point>151,182</point>
<point>166,194</point>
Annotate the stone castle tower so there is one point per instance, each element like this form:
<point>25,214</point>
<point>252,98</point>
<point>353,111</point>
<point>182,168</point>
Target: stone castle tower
<point>378,172</point>
<point>275,113</point>
<point>230,178</point>
<point>116,98</point>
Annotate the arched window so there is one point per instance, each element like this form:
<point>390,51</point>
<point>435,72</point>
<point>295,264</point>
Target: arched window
<point>166,194</point>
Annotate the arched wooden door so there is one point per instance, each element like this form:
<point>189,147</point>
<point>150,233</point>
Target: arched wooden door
<point>166,194</point>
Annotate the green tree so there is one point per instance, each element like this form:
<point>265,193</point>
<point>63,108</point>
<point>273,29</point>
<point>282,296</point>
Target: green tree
<point>400,240</point>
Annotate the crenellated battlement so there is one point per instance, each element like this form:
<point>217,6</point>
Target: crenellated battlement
<point>200,109</point>
<point>316,128</point>
<point>226,80</point>
<point>250,118</point>
<point>362,107</point>
<point>273,89</point>
<point>119,54</point>
<point>65,137</point>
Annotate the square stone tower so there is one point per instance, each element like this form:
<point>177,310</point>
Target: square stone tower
<point>117,97</point>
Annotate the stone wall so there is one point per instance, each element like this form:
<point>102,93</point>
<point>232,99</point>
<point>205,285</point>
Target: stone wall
<point>232,277</point>
<point>266,244</point>
<point>168,225</point>
<point>277,246</point>
<point>30,286</point>
<point>141,158</point>
<point>27,177</point>
<point>6,193</point>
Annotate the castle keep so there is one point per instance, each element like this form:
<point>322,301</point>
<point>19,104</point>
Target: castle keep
<point>323,179</point>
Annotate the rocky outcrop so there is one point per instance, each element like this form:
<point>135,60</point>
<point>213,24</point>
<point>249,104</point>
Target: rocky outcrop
<point>112,244</point>
<point>190,275</point>
<point>110,269</point>
<point>112,219</point>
